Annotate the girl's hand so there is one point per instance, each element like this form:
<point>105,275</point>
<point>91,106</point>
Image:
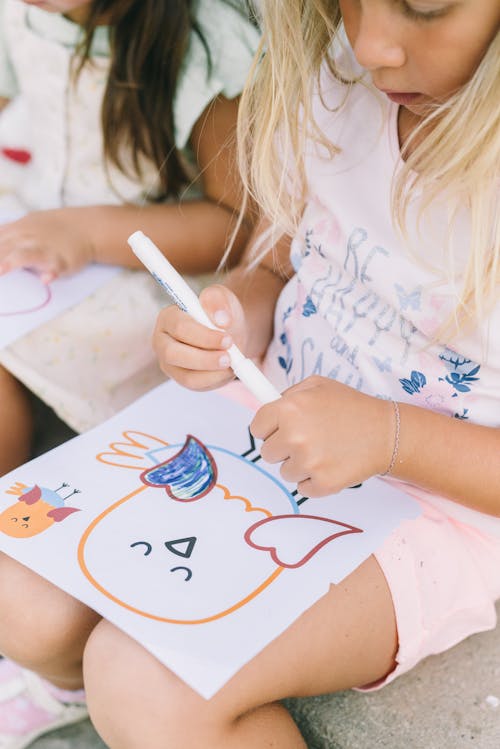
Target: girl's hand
<point>194,355</point>
<point>327,435</point>
<point>50,242</point>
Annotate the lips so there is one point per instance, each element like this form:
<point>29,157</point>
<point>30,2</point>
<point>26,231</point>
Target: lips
<point>402,97</point>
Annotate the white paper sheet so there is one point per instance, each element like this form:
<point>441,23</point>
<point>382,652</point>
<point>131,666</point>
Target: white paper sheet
<point>26,303</point>
<point>174,529</point>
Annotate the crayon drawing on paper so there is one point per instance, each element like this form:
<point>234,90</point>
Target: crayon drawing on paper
<point>167,522</point>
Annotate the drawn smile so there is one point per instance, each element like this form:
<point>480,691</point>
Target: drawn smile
<point>188,572</point>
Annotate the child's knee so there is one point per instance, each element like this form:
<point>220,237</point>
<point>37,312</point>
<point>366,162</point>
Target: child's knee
<point>131,694</point>
<point>39,622</point>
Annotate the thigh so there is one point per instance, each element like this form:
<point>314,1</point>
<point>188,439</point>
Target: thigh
<point>39,621</point>
<point>16,422</point>
<point>348,638</point>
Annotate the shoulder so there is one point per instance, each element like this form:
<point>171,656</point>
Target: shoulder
<point>217,60</point>
<point>231,38</point>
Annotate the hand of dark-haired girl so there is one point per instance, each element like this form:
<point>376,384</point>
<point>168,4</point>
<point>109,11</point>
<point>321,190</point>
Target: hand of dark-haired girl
<point>194,355</point>
<point>327,435</point>
<point>49,242</point>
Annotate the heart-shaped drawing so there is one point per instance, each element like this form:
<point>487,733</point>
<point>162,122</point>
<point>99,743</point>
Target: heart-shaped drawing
<point>293,539</point>
<point>186,476</point>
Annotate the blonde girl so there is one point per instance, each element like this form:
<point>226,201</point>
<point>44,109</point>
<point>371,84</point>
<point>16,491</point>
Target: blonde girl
<point>370,144</point>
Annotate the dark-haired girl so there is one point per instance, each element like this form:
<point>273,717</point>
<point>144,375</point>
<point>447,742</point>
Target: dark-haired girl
<point>111,110</point>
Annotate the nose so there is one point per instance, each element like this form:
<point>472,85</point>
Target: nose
<point>378,43</point>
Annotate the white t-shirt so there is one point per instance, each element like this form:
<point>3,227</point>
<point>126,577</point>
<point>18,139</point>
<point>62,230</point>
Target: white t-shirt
<point>58,121</point>
<point>95,358</point>
<point>362,308</point>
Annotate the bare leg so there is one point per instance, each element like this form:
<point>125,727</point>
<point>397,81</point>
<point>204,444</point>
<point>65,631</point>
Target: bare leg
<point>347,638</point>
<point>42,628</point>
<point>16,423</point>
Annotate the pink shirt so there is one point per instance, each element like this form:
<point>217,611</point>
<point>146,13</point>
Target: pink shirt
<point>363,308</point>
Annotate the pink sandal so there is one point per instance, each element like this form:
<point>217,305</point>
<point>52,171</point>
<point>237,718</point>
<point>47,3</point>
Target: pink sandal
<point>29,707</point>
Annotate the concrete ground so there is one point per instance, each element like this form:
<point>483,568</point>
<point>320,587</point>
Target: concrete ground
<point>450,701</point>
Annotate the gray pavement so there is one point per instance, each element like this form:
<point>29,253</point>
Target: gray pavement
<point>450,701</point>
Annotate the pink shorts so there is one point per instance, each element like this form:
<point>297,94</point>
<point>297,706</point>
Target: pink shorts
<point>444,578</point>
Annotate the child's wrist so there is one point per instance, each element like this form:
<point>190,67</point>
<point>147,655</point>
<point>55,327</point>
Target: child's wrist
<point>393,443</point>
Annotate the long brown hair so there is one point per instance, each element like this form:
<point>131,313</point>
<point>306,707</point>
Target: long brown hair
<point>148,40</point>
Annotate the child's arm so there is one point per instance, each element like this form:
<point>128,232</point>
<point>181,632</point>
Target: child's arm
<point>331,436</point>
<point>451,457</point>
<point>194,234</point>
<point>243,307</point>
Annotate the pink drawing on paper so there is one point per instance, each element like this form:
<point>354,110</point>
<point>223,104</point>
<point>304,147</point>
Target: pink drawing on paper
<point>33,296</point>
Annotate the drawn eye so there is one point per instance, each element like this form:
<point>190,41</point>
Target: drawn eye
<point>183,547</point>
<point>14,520</point>
<point>24,525</point>
<point>148,546</point>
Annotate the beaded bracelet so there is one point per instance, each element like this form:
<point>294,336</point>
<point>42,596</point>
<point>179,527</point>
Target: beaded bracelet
<point>395,450</point>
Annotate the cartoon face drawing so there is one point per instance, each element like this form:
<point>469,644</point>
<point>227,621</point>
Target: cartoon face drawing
<point>200,547</point>
<point>36,510</point>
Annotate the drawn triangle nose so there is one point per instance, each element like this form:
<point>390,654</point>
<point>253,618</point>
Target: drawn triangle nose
<point>26,518</point>
<point>183,547</point>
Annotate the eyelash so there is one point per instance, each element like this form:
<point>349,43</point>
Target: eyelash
<point>419,15</point>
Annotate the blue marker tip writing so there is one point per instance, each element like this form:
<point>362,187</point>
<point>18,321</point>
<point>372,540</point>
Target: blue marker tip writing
<point>185,298</point>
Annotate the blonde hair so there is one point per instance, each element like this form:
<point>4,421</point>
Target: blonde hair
<point>458,159</point>
<point>274,104</point>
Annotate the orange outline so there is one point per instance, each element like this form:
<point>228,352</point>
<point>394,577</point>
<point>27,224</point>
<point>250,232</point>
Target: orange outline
<point>130,442</point>
<point>17,489</point>
<point>107,594</point>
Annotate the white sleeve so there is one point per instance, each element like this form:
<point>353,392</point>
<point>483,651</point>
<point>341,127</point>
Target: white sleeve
<point>232,41</point>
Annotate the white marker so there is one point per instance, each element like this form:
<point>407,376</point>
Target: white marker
<point>185,298</point>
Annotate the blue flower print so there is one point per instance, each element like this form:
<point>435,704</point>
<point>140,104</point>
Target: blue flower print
<point>415,383</point>
<point>460,381</point>
<point>307,241</point>
<point>463,416</point>
<point>462,371</point>
<point>309,308</point>
<point>286,361</point>
<point>310,247</point>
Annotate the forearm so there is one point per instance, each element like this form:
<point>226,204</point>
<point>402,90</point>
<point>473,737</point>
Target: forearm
<point>258,290</point>
<point>451,457</point>
<point>192,234</point>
